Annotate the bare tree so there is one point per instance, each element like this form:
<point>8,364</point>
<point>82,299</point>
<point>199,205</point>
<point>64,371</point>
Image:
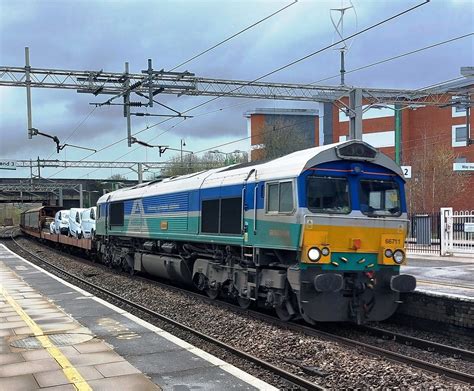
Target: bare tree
<point>117,177</point>
<point>282,137</point>
<point>194,163</point>
<point>434,183</point>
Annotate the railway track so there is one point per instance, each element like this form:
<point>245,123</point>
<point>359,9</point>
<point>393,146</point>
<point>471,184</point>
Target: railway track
<point>429,346</point>
<point>311,331</point>
<point>287,376</point>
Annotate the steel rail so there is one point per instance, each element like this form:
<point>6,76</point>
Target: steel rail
<point>312,331</point>
<point>294,379</point>
<point>430,346</point>
<point>388,354</point>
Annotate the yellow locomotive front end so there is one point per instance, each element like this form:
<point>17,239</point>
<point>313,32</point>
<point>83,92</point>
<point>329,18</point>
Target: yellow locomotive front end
<point>353,235</point>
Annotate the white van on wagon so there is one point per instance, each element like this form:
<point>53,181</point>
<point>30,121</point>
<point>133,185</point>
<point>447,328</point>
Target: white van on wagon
<point>61,222</point>
<point>75,219</point>
<point>88,222</point>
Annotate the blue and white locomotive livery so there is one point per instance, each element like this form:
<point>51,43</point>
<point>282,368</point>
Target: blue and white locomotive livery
<point>318,234</point>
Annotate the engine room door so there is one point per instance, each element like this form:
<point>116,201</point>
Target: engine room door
<point>250,205</point>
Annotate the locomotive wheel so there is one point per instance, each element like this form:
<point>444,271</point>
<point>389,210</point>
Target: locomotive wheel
<point>212,293</point>
<point>283,313</point>
<point>244,302</point>
<point>307,319</point>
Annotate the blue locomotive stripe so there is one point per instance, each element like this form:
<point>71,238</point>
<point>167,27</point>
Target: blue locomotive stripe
<point>190,201</point>
<point>187,201</point>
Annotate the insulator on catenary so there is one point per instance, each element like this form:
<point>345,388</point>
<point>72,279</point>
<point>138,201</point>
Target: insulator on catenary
<point>135,85</point>
<point>135,104</point>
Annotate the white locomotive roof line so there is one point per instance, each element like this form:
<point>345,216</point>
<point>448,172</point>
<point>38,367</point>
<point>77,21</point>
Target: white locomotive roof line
<point>288,166</point>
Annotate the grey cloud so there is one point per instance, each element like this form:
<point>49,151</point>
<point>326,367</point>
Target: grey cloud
<point>103,35</point>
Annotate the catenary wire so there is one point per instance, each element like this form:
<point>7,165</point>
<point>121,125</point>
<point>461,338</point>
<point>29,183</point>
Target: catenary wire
<point>304,57</point>
<point>247,137</point>
<point>75,129</point>
<point>396,57</point>
<point>282,67</point>
<point>269,73</point>
<point>134,149</point>
<point>261,133</point>
<point>234,35</point>
<point>349,71</point>
<point>309,55</point>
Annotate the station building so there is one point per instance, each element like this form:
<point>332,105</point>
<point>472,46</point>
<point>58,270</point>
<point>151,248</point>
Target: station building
<point>424,130</point>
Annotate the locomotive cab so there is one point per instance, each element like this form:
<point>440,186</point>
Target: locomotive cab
<point>353,238</point>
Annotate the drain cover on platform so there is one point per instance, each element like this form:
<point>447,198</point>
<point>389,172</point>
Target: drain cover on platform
<point>56,339</point>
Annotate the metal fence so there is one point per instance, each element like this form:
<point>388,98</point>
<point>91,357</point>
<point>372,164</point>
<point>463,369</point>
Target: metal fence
<point>424,235</point>
<point>458,229</point>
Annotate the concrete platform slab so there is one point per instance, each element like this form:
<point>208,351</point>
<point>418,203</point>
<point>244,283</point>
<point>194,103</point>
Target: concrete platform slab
<point>447,276</point>
<point>22,382</point>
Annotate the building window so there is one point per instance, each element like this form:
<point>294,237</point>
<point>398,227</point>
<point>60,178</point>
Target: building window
<point>457,110</point>
<point>280,197</point>
<point>459,135</point>
<point>460,159</point>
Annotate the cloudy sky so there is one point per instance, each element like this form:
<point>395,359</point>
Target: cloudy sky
<point>94,35</point>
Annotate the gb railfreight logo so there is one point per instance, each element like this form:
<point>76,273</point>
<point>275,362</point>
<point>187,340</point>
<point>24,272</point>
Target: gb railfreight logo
<point>7,165</point>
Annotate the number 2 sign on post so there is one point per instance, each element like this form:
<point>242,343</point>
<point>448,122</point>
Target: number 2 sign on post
<point>406,171</point>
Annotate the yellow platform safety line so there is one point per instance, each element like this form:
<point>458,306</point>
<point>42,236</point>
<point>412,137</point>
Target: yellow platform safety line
<point>70,372</point>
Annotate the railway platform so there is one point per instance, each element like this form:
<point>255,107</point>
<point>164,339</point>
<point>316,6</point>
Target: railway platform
<point>444,294</point>
<point>446,276</point>
<point>55,336</point>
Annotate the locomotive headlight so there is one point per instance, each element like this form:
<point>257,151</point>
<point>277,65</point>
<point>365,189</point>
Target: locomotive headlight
<point>325,251</point>
<point>388,253</point>
<point>398,256</point>
<point>314,254</point>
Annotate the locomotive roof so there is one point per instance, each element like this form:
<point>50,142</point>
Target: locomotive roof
<point>288,166</point>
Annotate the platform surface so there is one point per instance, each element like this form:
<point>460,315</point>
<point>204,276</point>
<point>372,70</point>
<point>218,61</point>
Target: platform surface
<point>55,336</point>
<point>447,276</point>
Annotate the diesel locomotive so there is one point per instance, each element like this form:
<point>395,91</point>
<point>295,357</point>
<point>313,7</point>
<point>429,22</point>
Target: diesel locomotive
<point>317,234</point>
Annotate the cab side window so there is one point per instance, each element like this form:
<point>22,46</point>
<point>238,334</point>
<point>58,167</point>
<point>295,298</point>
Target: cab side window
<point>280,197</point>
<point>77,218</point>
<point>92,214</point>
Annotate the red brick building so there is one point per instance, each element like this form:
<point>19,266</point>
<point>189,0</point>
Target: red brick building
<point>424,129</point>
<point>306,121</point>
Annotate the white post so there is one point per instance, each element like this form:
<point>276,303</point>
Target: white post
<point>140,172</point>
<point>446,230</point>
<point>81,196</point>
